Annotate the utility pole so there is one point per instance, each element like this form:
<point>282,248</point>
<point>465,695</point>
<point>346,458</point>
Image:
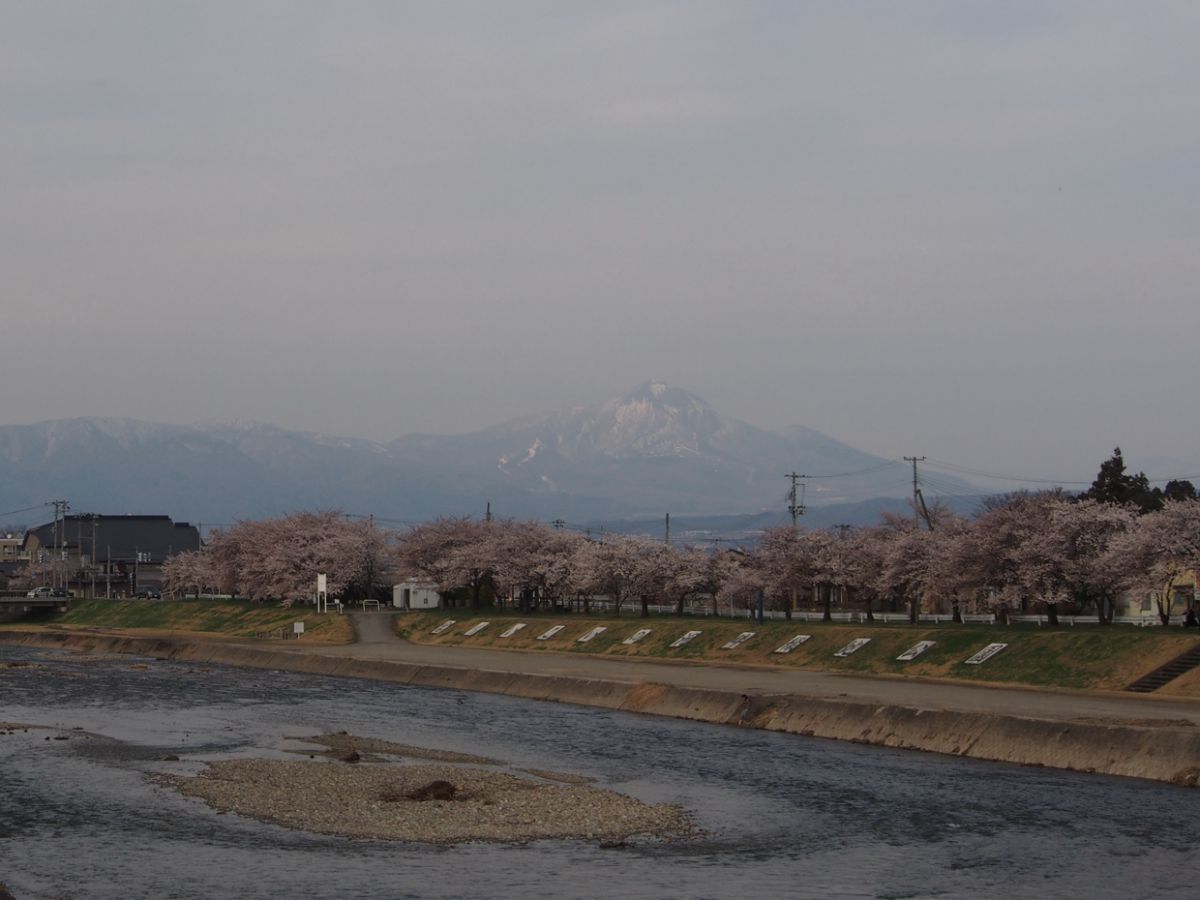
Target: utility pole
<point>487,516</point>
<point>796,505</point>
<point>93,566</point>
<point>796,508</point>
<point>60,537</point>
<point>919,507</point>
<point>667,531</point>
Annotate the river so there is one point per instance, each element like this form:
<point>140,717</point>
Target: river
<point>784,816</point>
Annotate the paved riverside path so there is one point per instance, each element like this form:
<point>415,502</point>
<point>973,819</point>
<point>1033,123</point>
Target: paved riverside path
<point>376,641</point>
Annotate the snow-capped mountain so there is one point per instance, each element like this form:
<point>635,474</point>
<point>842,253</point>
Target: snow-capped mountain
<point>657,449</point>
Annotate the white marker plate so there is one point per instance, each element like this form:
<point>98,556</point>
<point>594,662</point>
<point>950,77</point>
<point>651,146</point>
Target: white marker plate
<point>985,654</point>
<point>853,647</point>
<point>915,650</point>
<point>475,629</point>
<point>739,640</point>
<point>792,644</point>
<point>512,629</point>
<point>545,636</point>
<point>691,635</point>
<point>583,639</point>
<point>445,626</point>
<point>636,636</point>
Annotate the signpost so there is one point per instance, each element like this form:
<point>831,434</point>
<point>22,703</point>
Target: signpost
<point>322,593</point>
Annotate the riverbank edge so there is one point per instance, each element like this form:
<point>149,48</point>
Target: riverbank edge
<point>1159,752</point>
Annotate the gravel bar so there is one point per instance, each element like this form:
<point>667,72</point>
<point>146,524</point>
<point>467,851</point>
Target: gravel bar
<point>376,802</point>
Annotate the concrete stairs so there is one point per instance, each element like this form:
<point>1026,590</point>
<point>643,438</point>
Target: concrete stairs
<point>1185,662</point>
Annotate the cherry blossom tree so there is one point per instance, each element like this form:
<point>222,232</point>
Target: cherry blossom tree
<point>1066,554</point>
<point>783,564</point>
<point>454,553</point>
<point>1156,554</point>
<point>280,558</point>
<point>614,567</point>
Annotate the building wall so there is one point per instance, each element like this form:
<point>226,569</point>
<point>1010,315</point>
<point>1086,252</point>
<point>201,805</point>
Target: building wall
<point>415,595</point>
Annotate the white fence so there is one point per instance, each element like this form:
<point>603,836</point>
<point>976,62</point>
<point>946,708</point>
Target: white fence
<point>859,617</point>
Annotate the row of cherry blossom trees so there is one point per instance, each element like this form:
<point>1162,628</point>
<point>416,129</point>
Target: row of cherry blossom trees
<point>1046,548</point>
<point>278,559</point>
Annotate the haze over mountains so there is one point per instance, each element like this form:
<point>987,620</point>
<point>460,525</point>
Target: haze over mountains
<point>657,449</point>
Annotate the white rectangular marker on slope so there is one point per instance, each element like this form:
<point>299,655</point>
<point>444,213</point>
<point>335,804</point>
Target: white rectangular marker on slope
<point>792,644</point>
<point>853,647</point>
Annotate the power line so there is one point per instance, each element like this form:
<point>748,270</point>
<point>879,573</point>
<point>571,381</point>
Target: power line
<point>882,465</point>
<point>13,512</point>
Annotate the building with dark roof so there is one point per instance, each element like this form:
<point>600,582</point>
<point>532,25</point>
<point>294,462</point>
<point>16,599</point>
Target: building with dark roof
<point>112,555</point>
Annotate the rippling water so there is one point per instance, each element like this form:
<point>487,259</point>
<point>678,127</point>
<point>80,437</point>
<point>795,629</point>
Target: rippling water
<point>785,815</point>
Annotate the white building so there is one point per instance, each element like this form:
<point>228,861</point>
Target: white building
<point>416,595</point>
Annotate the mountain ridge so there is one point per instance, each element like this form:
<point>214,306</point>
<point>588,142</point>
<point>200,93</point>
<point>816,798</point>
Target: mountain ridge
<point>653,449</point>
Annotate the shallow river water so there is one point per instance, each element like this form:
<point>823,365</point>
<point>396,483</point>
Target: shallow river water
<point>784,816</point>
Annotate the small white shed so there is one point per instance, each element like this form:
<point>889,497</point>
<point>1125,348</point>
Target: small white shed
<point>415,595</point>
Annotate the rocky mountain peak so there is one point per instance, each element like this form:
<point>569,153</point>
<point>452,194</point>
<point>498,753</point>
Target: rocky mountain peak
<point>651,420</point>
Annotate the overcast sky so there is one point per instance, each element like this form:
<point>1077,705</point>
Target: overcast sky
<point>967,230</point>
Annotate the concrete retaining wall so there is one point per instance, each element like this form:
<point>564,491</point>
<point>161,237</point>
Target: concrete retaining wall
<point>1163,753</point>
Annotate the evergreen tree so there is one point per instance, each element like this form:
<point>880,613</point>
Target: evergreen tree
<point>1114,485</point>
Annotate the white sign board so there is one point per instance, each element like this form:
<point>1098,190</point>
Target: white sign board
<point>546,635</point>
<point>297,628</point>
<point>512,629</point>
<point>636,636</point>
<point>475,629</point>
<point>792,644</point>
<point>915,650</point>
<point>853,647</point>
<point>322,580</point>
<point>599,629</point>
<point>985,654</point>
<point>739,640</point>
<point>445,626</point>
<point>690,636</point>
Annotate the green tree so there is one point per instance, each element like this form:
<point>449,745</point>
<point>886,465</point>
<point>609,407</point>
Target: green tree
<point>1114,485</point>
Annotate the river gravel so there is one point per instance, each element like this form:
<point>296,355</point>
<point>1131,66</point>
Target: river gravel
<point>370,801</point>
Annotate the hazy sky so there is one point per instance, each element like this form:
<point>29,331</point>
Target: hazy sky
<point>963,229</point>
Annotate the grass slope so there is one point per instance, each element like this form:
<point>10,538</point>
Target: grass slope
<point>1080,657</point>
<point>234,618</point>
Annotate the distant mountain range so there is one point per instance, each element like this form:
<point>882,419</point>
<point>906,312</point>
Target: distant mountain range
<point>657,449</point>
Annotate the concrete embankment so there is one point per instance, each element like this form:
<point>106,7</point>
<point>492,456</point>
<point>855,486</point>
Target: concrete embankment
<point>1163,751</point>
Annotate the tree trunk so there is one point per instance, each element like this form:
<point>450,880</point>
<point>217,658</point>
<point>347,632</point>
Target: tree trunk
<point>956,611</point>
<point>1002,615</point>
<point>476,588</point>
<point>679,607</point>
<point>787,613</point>
<point>645,608</point>
<point>1052,614</point>
<point>914,610</point>
<point>870,614</point>
<point>827,604</point>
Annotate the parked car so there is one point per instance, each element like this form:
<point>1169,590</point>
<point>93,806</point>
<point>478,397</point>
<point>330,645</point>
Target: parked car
<point>59,592</point>
<point>41,592</point>
<point>148,594</point>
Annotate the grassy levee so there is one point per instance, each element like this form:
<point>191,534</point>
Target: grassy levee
<point>1082,657</point>
<point>231,618</point>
